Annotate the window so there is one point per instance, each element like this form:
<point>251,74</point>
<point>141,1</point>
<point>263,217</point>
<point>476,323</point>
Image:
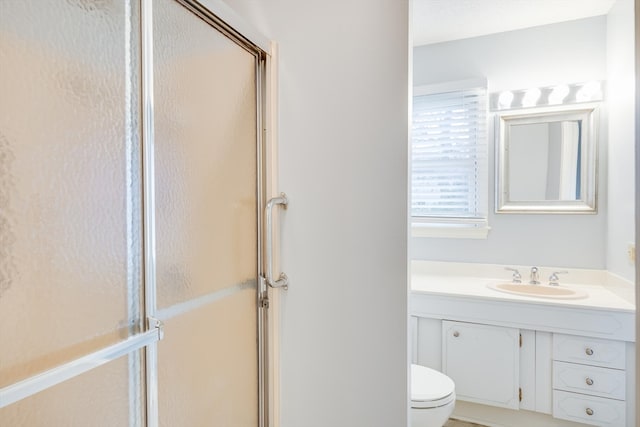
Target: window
<point>449,161</point>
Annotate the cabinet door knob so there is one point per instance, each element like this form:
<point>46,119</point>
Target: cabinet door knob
<point>456,334</point>
<point>589,411</point>
<point>589,351</point>
<point>589,381</point>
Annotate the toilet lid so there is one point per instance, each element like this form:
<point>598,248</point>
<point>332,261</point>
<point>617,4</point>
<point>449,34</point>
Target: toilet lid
<point>429,385</point>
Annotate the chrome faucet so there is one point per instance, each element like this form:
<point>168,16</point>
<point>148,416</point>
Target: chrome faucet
<point>535,276</point>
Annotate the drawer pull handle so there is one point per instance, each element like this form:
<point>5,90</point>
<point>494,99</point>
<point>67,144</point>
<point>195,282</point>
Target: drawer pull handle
<point>589,351</point>
<point>589,411</point>
<point>456,334</point>
<point>589,381</point>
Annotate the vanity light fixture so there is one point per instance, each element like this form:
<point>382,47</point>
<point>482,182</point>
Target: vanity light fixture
<point>564,94</point>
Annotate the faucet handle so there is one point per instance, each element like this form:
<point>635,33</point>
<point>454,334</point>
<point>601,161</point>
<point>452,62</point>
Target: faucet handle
<point>517,278</point>
<point>553,279</point>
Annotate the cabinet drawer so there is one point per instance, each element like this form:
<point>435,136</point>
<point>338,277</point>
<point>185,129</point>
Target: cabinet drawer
<point>604,382</point>
<point>589,351</point>
<point>588,409</point>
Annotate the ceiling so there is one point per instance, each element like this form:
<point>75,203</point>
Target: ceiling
<point>436,21</point>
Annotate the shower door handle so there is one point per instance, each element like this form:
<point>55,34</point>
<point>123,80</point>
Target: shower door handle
<point>283,280</point>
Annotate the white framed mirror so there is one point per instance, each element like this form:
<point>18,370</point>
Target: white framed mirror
<point>546,160</point>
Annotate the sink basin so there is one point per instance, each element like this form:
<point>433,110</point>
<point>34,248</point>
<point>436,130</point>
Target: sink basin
<point>538,291</point>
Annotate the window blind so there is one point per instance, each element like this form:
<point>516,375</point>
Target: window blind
<point>449,156</point>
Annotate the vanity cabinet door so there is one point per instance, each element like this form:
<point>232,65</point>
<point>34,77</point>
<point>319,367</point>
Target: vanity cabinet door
<point>483,361</point>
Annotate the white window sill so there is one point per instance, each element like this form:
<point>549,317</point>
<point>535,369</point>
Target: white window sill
<point>450,231</point>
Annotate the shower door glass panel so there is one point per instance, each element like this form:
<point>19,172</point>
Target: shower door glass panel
<point>99,398</point>
<point>69,235</point>
<point>205,157</point>
<point>205,121</point>
<point>208,368</point>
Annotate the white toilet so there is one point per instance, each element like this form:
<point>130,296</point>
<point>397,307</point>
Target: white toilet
<point>433,397</point>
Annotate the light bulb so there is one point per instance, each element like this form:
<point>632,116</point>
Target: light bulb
<point>589,92</point>
<point>531,97</point>
<point>505,99</point>
<point>558,94</point>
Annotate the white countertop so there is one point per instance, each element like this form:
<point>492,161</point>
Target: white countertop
<point>464,280</point>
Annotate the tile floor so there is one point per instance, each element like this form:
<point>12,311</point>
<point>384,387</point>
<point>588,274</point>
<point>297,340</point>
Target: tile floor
<point>457,423</point>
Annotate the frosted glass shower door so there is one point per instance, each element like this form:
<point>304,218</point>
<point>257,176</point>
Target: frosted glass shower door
<point>206,221</point>
<point>131,193</point>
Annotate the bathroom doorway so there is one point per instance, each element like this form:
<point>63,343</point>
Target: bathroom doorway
<point>440,60</point>
<point>132,186</point>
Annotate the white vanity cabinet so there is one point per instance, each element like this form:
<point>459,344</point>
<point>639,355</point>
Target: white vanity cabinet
<point>483,362</point>
<point>589,380</point>
<point>517,363</point>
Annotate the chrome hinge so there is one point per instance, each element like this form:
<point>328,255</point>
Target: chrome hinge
<point>263,299</point>
<point>520,394</point>
<point>152,322</point>
<point>263,302</point>
<point>520,340</point>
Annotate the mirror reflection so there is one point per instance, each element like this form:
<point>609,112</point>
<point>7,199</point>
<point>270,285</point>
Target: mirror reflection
<point>544,161</point>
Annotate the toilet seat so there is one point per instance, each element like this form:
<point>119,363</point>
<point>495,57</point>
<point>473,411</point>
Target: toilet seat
<point>430,388</point>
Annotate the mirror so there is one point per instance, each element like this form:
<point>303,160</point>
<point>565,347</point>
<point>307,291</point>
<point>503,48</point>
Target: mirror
<point>546,160</point>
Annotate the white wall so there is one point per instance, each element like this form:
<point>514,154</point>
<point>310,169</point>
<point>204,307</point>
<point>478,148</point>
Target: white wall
<point>569,52</point>
<point>572,51</point>
<point>343,163</point>
<point>621,105</point>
